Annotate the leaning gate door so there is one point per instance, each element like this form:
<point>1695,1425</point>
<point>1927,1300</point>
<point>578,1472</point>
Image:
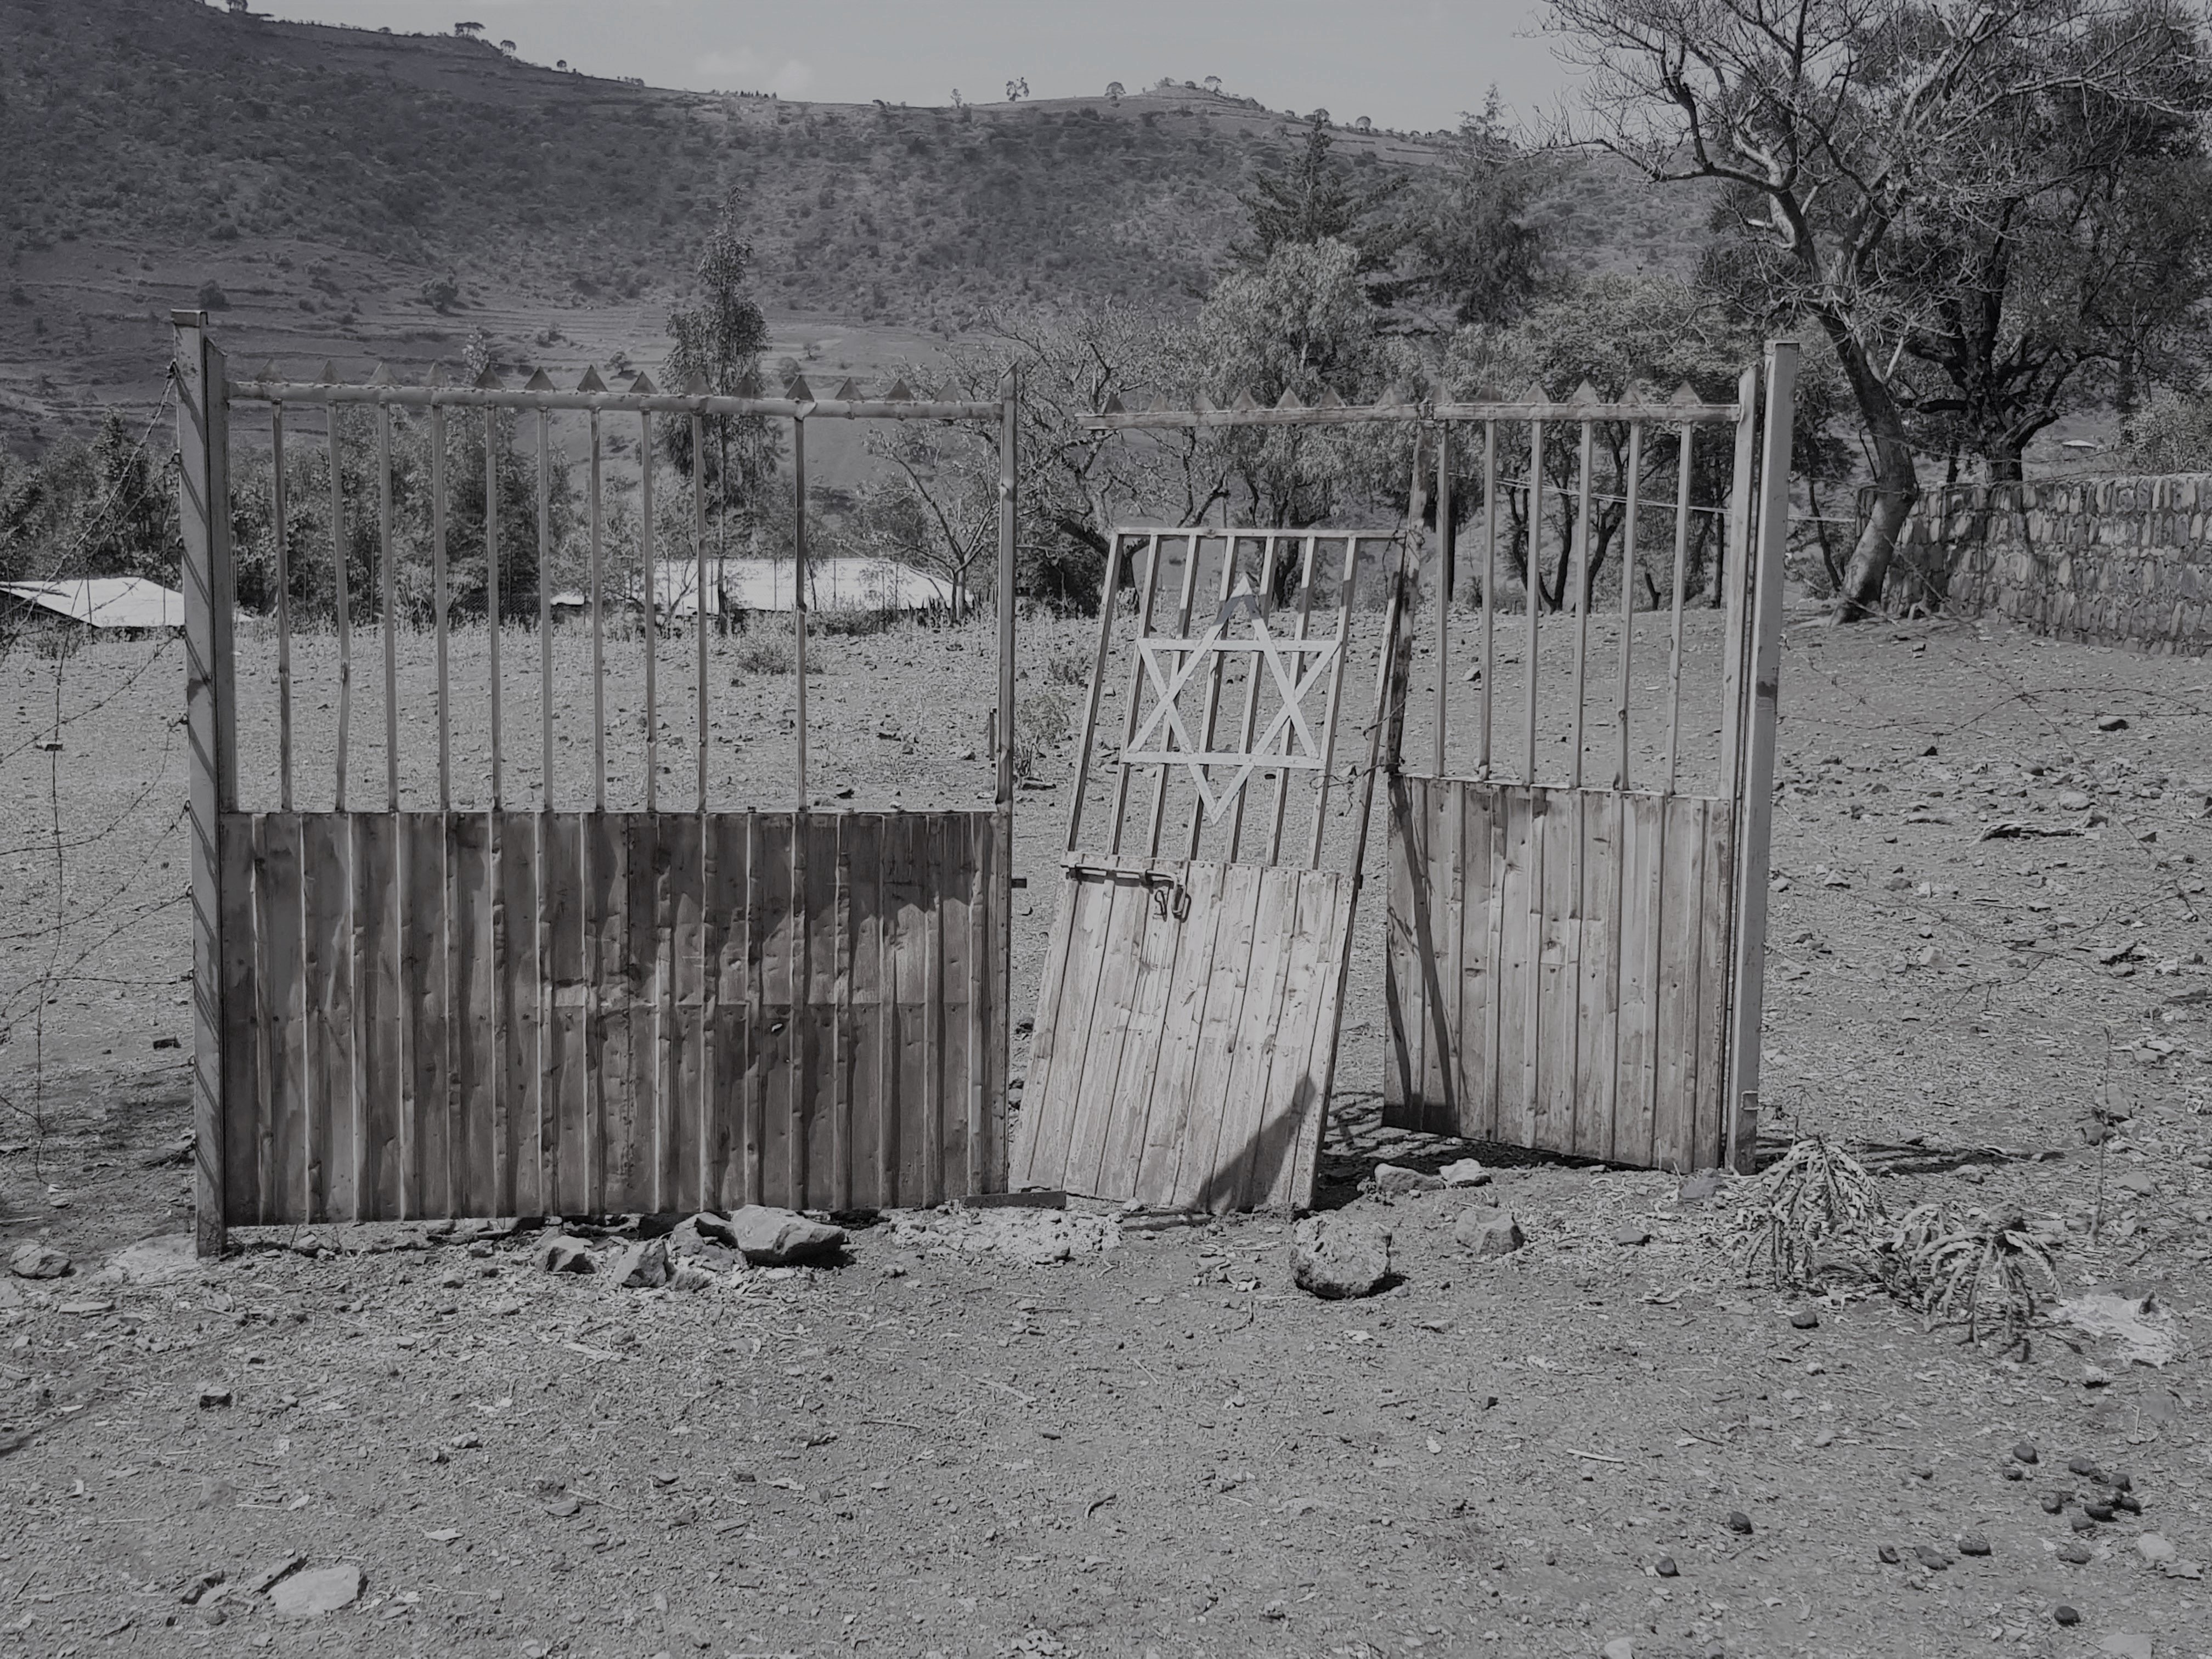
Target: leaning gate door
<point>1186,1026</point>
<point>1577,922</point>
<point>462,1003</point>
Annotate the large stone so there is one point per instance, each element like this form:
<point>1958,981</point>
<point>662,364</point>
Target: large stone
<point>1490,1233</point>
<point>1464,1172</point>
<point>311,1594</point>
<point>1340,1257</point>
<point>1393,1179</point>
<point>38,1262</point>
<point>642,1266</point>
<point>770,1237</point>
<point>563,1253</point>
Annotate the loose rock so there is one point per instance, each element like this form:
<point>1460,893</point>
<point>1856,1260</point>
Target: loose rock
<point>2156,1549</point>
<point>1464,1172</point>
<point>311,1594</point>
<point>1665,1567</point>
<point>771,1237</point>
<point>2065,1615</point>
<point>1619,1648</point>
<point>1931,1557</point>
<point>642,1266</point>
<point>1805,1320</point>
<point>1738,1522</point>
<point>1704,1184</point>
<point>1490,1233</point>
<point>1886,1554</point>
<point>1393,1179</point>
<point>1973,1543</point>
<point>561,1253</point>
<point>38,1262</point>
<point>1632,1236</point>
<point>1343,1259</point>
<point>2079,1554</point>
<point>2025,1452</point>
<point>214,1396</point>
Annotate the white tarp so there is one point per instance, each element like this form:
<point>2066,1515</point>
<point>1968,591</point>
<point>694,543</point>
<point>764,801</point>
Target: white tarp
<point>107,601</point>
<point>840,584</point>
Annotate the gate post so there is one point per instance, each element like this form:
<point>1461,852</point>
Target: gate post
<point>987,1140</point>
<point>1748,1006</point>
<point>204,513</point>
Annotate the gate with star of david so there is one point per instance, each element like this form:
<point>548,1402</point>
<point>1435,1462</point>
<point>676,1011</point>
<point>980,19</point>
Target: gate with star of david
<point>1185,1027</point>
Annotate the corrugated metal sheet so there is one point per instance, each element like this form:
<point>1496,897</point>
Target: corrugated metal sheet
<point>107,601</point>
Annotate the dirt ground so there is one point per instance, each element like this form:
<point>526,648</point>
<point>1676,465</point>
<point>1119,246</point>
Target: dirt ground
<point>1158,1445</point>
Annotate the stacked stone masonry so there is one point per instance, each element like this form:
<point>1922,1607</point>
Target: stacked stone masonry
<point>2107,561</point>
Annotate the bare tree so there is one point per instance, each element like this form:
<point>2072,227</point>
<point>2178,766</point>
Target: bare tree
<point>1837,125</point>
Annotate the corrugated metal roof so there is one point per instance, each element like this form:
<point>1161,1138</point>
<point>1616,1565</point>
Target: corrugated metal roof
<point>107,601</point>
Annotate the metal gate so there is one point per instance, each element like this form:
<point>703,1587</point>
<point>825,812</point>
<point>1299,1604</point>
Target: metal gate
<point>449,1007</point>
<point>1186,1024</point>
<point>1574,965</point>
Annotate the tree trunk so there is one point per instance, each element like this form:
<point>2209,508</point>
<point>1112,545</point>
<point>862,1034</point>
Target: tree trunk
<point>1896,481</point>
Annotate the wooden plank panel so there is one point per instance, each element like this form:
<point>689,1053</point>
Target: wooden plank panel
<point>863,1057</point>
<point>473,1036</point>
<point>688,1154</point>
<point>1304,1035</point>
<point>243,1202</point>
<point>638,1174</point>
<point>905,974</point>
<point>1516,1035</point>
<point>728,934</point>
<point>819,1134</point>
<point>931,842</point>
<point>1638,945</point>
<point>960,903</point>
<point>1128,1099</point>
<point>1558,985</point>
<point>1112,1012</point>
<point>518,1136</point>
<point>281,980</point>
<point>1048,1023</point>
<point>1482,996</point>
<point>1225,1185</point>
<point>763,1045</point>
<point>567,1110</point>
<point>1406,1008</point>
<point>1173,1107</point>
<point>380,1147</point>
<point>1681,885</point>
<point>778,909</point>
<point>1712,946</point>
<point>1063,1031</point>
<point>1597,1007</point>
<point>428,1108</point>
<point>1439,1085</point>
<point>1448,858</point>
<point>611,1140</point>
<point>1220,1017</point>
<point>326,872</point>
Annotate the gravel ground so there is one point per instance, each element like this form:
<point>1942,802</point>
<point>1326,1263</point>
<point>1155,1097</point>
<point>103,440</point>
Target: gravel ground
<point>1157,1444</point>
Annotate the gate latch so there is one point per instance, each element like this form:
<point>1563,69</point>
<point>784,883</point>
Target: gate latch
<point>1170,897</point>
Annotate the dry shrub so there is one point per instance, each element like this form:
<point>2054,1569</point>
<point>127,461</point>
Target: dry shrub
<point>1819,1199</point>
<point>1975,1269</point>
<point>1041,723</point>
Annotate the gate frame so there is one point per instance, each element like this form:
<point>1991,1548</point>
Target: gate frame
<point>206,394</point>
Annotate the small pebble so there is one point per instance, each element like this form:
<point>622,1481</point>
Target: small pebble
<point>2086,1467</point>
<point>1806,1320</point>
<point>2051,1501</point>
<point>2025,1452</point>
<point>1664,1566</point>
<point>1621,1235</point>
<point>2079,1554</point>
<point>1887,1553</point>
<point>2060,1614</point>
<point>1924,1471</point>
<point>2099,1512</point>
<point>1738,1522</point>
<point>1973,1544</point>
<point>1931,1557</point>
<point>2129,1502</point>
<point>2081,1521</point>
<point>2013,1473</point>
<point>2120,1481</point>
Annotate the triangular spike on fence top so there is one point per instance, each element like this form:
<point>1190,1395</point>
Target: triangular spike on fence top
<point>642,386</point>
<point>437,375</point>
<point>695,384</point>
<point>1244,399</point>
<point>1640,391</point>
<point>1536,394</point>
<point>797,390</point>
<point>749,385</point>
<point>489,379</point>
<point>268,371</point>
<point>538,381</point>
<point>1113,404</point>
<point>1329,399</point>
<point>1288,400</point>
<point>901,392</point>
<point>849,392</point>
<point>1204,405</point>
<point>382,375</point>
<point>1685,395</point>
<point>330,374</point>
<point>1585,393</point>
<point>1395,396</point>
<point>591,382</point>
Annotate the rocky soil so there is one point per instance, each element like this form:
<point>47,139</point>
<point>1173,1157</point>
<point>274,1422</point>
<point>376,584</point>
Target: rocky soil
<point>989,1432</point>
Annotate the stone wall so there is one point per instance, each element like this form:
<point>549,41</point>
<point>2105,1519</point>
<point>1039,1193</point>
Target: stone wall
<point>2110,561</point>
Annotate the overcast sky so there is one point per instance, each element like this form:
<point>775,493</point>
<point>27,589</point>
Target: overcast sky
<point>1408,64</point>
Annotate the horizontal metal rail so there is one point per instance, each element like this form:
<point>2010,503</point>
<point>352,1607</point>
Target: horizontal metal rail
<point>425,397</point>
<point>1688,413</point>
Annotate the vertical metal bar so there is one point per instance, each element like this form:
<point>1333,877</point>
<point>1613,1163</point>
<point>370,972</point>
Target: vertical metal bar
<point>1674,635</point>
<point>1213,690</point>
<point>1136,692</point>
<point>1283,773</point>
<point>1582,543</point>
<point>391,602</point>
<point>1250,725</point>
<point>650,574</point>
<point>1535,586</point>
<point>1735,587</point>
<point>1627,600</point>
<point>546,609</point>
<point>341,570</point>
<point>493,609</point>
<point>204,521</point>
<point>1009,504</point>
<point>439,596</point>
<point>1192,544</point>
<point>599,633</point>
<point>281,508</point>
<point>1109,589</point>
<point>1489,583</point>
<point>986,1143</point>
<point>798,585</point>
<point>1336,681</point>
<point>699,592</point>
<point>1747,1002</point>
<point>1446,547</point>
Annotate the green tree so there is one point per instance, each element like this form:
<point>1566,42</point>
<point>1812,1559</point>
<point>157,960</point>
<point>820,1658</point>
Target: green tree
<point>719,340</point>
<point>1310,203</point>
<point>1471,245</point>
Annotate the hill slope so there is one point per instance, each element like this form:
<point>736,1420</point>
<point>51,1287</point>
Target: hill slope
<point>323,179</point>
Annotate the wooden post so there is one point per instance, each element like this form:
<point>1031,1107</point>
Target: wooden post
<point>987,1136</point>
<point>1747,1005</point>
<point>203,511</point>
<point>798,585</point>
<point>1735,578</point>
<point>1446,548</point>
<point>1108,594</point>
<point>281,509</point>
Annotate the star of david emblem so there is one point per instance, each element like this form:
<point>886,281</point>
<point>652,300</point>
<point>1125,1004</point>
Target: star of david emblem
<point>1294,665</point>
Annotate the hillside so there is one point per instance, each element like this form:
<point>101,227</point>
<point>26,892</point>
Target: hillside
<point>325,179</point>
